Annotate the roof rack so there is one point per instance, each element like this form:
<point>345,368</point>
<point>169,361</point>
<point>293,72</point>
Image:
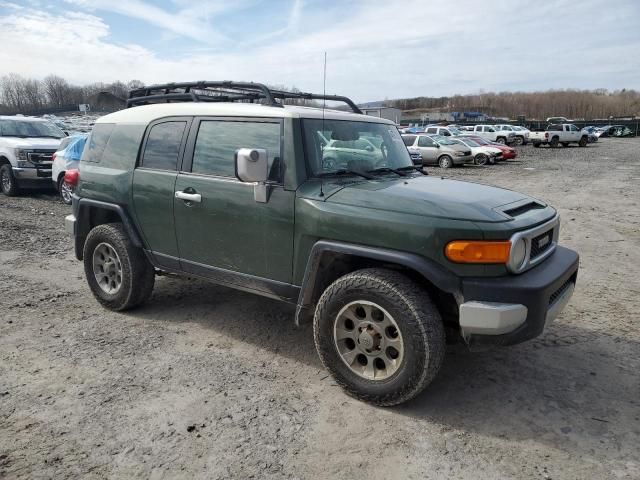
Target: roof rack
<point>225,91</point>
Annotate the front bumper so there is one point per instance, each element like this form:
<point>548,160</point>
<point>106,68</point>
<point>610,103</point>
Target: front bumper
<point>462,160</point>
<point>39,175</point>
<point>515,308</point>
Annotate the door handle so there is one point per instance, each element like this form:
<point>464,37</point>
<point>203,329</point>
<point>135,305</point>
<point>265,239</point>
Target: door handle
<point>189,197</point>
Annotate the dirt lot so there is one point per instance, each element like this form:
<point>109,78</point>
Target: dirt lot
<point>213,383</point>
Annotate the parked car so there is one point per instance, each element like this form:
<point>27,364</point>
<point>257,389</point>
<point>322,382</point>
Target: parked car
<point>615,131</point>
<point>565,134</point>
<point>444,131</point>
<point>508,153</point>
<point>591,134</point>
<point>66,158</point>
<point>384,259</point>
<point>482,154</point>
<point>438,150</point>
<point>555,120</point>
<point>491,133</point>
<point>26,148</point>
<point>520,136</point>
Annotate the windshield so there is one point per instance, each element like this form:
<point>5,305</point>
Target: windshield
<point>335,145</point>
<point>27,129</point>
<point>454,131</point>
<point>469,143</point>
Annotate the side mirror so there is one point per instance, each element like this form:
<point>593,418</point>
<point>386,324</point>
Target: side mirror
<point>369,148</point>
<point>437,145</point>
<point>251,167</point>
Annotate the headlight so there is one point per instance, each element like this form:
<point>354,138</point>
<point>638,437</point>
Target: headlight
<point>518,254</point>
<point>21,155</point>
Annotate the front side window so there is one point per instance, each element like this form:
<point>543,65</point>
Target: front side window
<point>163,146</point>
<point>219,140</point>
<point>432,130</point>
<point>489,129</point>
<point>425,142</point>
<point>372,145</point>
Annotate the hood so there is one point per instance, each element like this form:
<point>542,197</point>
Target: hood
<point>434,197</point>
<point>31,143</point>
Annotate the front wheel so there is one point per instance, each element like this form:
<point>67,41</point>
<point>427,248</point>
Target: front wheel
<point>519,141</point>
<point>118,273</point>
<point>502,140</point>
<point>8,182</point>
<point>379,335</point>
<point>445,161</point>
<point>481,159</point>
<point>583,142</point>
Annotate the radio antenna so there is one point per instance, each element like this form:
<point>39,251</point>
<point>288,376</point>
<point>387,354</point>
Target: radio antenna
<point>324,103</point>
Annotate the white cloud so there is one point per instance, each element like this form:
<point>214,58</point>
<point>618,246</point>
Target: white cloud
<point>375,49</point>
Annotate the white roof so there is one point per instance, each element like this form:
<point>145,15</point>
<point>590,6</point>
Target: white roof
<point>145,114</point>
<point>23,119</point>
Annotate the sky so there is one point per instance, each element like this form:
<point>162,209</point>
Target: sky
<point>375,49</point>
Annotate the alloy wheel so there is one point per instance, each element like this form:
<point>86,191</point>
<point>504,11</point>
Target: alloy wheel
<point>107,268</point>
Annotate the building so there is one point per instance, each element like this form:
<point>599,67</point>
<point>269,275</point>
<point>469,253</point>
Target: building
<point>393,114</point>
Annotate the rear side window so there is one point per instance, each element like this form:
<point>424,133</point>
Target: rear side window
<point>163,146</point>
<point>408,141</point>
<point>218,141</point>
<point>97,141</point>
<point>555,128</point>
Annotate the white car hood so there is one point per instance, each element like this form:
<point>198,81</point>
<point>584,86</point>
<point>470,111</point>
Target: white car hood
<point>30,143</point>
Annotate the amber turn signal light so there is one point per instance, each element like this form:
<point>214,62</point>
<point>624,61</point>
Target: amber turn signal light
<point>470,251</point>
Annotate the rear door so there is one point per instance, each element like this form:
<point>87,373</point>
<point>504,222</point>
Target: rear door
<point>226,234</point>
<point>153,186</point>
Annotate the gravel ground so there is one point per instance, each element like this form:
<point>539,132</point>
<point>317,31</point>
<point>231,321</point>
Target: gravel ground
<point>208,382</point>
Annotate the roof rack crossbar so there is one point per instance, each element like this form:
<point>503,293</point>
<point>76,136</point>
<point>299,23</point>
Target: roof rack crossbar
<point>225,91</point>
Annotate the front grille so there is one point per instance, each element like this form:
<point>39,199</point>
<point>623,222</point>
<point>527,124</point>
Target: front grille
<point>554,296</point>
<point>39,156</point>
<point>541,243</point>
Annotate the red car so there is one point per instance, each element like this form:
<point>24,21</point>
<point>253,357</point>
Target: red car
<point>508,153</point>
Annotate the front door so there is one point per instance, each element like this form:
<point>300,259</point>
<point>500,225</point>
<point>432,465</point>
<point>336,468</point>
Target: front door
<point>223,231</point>
<point>428,150</point>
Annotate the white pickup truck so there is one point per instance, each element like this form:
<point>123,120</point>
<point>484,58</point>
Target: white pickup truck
<point>27,146</point>
<point>564,133</point>
<point>492,134</point>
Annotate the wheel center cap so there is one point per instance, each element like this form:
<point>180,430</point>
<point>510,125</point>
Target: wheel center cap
<point>368,339</point>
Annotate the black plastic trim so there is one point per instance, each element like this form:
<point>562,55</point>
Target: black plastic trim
<point>430,270</point>
<point>532,289</point>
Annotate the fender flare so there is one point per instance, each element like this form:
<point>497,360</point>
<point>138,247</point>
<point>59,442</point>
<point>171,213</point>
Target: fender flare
<point>81,210</point>
<point>429,269</point>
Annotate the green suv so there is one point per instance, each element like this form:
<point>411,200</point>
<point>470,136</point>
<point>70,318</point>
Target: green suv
<point>227,182</point>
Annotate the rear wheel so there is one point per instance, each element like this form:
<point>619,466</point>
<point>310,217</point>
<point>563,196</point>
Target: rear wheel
<point>8,182</point>
<point>379,335</point>
<point>536,144</point>
<point>554,142</point>
<point>445,161</point>
<point>565,144</point>
<point>118,273</point>
<point>501,140</point>
<point>481,159</point>
<point>65,190</point>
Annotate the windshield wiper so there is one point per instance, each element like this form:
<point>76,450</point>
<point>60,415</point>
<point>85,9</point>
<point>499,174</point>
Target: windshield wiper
<point>345,171</point>
<point>387,169</point>
<point>417,168</point>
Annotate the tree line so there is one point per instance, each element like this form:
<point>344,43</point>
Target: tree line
<point>20,94</point>
<point>576,104</point>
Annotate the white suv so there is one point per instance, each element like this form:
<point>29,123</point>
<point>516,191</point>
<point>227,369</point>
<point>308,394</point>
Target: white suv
<point>27,146</point>
<point>444,131</point>
<point>493,134</point>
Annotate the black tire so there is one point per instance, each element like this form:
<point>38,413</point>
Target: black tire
<point>583,141</point>
<point>501,140</point>
<point>418,321</point>
<point>481,159</point>
<point>536,144</point>
<point>8,182</point>
<point>519,140</point>
<point>554,142</point>
<point>138,275</point>
<point>565,144</point>
<point>445,161</point>
<point>64,198</point>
